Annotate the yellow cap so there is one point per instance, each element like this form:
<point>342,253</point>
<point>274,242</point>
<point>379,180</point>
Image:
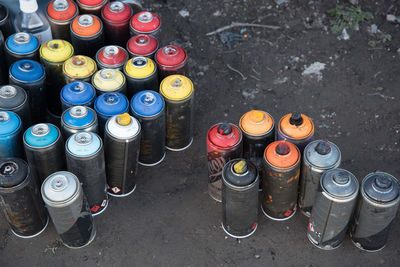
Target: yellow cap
<point>256,122</point>
<point>139,67</point>
<point>56,51</point>
<point>79,67</point>
<point>108,79</point>
<point>124,119</point>
<point>240,167</point>
<point>176,87</point>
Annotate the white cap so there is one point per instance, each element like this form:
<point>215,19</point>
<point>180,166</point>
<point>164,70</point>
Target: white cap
<point>28,6</point>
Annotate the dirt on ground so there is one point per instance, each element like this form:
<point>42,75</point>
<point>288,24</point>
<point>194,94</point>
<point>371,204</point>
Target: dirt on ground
<point>350,88</point>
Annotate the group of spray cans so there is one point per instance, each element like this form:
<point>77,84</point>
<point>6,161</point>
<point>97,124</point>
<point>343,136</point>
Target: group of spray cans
<point>295,170</point>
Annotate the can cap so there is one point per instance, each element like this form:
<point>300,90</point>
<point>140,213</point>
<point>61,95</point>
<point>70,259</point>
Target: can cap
<point>61,10</point>
<point>27,70</point>
<point>108,79</point>
<point>28,6</point>
<point>381,187</point>
<point>224,135</point>
<point>22,43</point>
<point>109,104</point>
<point>78,93</point>
<point>60,187</point>
<point>84,144</point>
<point>145,22</point>
<point>79,67</point>
<point>78,116</point>
<point>239,172</point>
<point>142,45</point>
<point>296,125</point>
<point>322,154</point>
<point>116,12</point>
<point>112,56</point>
<point>56,51</point>
<point>176,87</point>
<point>13,171</point>
<point>171,56</point>
<point>123,128</point>
<point>86,25</point>
<point>339,183</point>
<point>41,135</point>
<point>147,103</point>
<point>256,122</point>
<point>9,123</point>
<point>282,154</point>
<point>139,67</point>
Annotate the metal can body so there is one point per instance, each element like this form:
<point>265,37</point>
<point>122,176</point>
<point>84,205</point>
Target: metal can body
<point>77,94</point>
<point>141,74</point>
<point>111,57</point>
<point>142,45</point>
<point>21,45</point>
<point>145,22</point>
<point>240,198</point>
<point>334,204</point>
<point>224,142</point>
<point>60,14</point>
<point>3,67</point>
<point>30,75</point>
<point>79,68</point>
<point>10,135</point>
<point>14,98</point>
<point>5,21</point>
<point>78,118</point>
<point>87,35</point>
<point>122,146</point>
<point>319,156</point>
<point>171,59</point>
<point>91,6</point>
<point>85,158</point>
<point>116,16</point>
<point>20,198</point>
<point>149,108</point>
<point>44,149</point>
<point>109,81</point>
<point>280,179</point>
<point>375,212</point>
<point>296,128</point>
<point>68,208</point>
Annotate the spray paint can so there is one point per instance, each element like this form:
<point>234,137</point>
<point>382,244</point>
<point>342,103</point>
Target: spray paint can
<point>85,158</point>
<point>44,149</point>
<point>141,74</point>
<point>91,6</point>
<point>280,178</point>
<point>111,57</point>
<point>145,22</point>
<point>10,135</point>
<point>79,68</point>
<point>68,208</point>
<point>20,199</point>
<point>149,108</point>
<point>14,98</point>
<point>333,207</point>
<point>224,142</point>
<point>5,22</point>
<point>171,59</point>
<point>78,119</point>
<point>116,16</point>
<point>178,93</point>
<point>319,156</point>
<point>375,212</point>
<point>258,132</point>
<point>60,14</point>
<point>30,75</point>
<point>142,45</point>
<point>239,198</point>
<point>87,35</point>
<point>3,71</point>
<point>122,146</point>
<point>21,45</point>
<point>77,94</point>
<point>109,81</point>
<point>108,105</point>
<point>296,128</point>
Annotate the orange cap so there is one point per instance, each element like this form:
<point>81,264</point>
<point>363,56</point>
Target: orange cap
<point>256,122</point>
<point>295,130</point>
<point>282,154</point>
<point>86,25</point>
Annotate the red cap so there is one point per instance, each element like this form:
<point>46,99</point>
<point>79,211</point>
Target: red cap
<point>224,135</point>
<point>142,45</point>
<point>145,22</point>
<point>61,11</point>
<point>116,12</point>
<point>112,55</point>
<point>90,2</point>
<point>170,56</point>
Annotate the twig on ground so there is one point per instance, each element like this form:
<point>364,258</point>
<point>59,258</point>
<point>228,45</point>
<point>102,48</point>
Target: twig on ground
<point>255,78</point>
<point>238,72</point>
<point>385,97</point>
<point>239,24</point>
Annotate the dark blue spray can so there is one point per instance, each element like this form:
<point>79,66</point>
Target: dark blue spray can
<point>10,135</point>
<point>21,45</point>
<point>77,94</point>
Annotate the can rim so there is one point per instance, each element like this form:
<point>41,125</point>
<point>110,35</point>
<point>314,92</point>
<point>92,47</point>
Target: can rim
<point>16,187</point>
<point>88,37</point>
<point>106,66</point>
<point>43,147</point>
<point>95,153</point>
<point>257,135</point>
<point>333,166</point>
<point>225,148</point>
<point>7,14</point>
<point>373,201</point>
<point>61,22</point>
<point>19,54</point>
<point>75,195</point>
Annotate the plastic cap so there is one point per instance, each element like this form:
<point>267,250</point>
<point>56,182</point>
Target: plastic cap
<point>28,6</point>
<point>240,167</point>
<point>282,148</point>
<point>296,119</point>
<point>124,119</point>
<point>323,148</point>
<point>224,129</point>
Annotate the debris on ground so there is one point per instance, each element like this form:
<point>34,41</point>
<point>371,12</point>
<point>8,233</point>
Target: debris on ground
<point>378,36</point>
<point>345,17</point>
<point>280,2</point>
<point>392,18</point>
<point>344,35</point>
<point>230,39</point>
<point>184,13</point>
<point>314,70</point>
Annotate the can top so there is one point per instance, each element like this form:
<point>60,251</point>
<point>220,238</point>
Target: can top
<point>60,187</point>
<point>86,25</point>
<point>83,144</point>
<point>9,123</point>
<point>22,43</point>
<point>78,93</point>
<point>116,12</point>
<point>224,135</point>
<point>322,154</point>
<point>26,70</point>
<point>91,3</point>
<point>108,79</point>
<point>145,22</point>
<point>13,171</point>
<point>109,104</point>
<point>256,122</point>
<point>240,172</point>
<point>142,44</point>
<point>339,183</point>
<point>112,56</point>
<point>11,96</point>
<point>147,103</point>
<point>78,116</point>
<point>123,126</point>
<point>171,56</point>
<point>41,135</point>
<point>56,51</point>
<point>381,187</point>
<point>61,10</point>
<point>139,67</point>
<point>296,125</point>
<point>79,67</point>
<point>176,87</point>
<point>282,154</point>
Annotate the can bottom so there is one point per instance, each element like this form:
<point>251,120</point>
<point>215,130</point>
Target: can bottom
<point>123,195</point>
<point>322,247</point>
<point>358,245</point>
<point>237,236</point>
<point>180,149</point>
<point>90,241</point>
<point>215,197</point>
<point>31,236</point>
<point>278,219</point>
<point>305,213</point>
<point>102,210</point>
<point>153,164</point>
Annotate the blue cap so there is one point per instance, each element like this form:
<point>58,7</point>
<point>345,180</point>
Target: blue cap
<point>77,93</point>
<point>9,123</point>
<point>22,43</point>
<point>147,103</point>
<point>41,135</point>
<point>78,116</point>
<point>27,70</point>
<point>110,104</point>
<point>83,144</point>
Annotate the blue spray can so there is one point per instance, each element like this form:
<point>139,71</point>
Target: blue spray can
<point>10,135</point>
<point>77,94</point>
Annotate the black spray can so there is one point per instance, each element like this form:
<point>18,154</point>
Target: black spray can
<point>333,207</point>
<point>239,198</point>
<point>375,212</point>
<point>5,22</point>
<point>85,158</point>
<point>14,98</point>
<point>68,208</point>
<point>21,45</point>
<point>20,198</point>
<point>3,67</point>
<point>78,118</point>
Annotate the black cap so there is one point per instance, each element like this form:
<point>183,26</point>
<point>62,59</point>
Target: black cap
<point>224,128</point>
<point>296,119</point>
<point>13,171</point>
<point>282,148</point>
<point>323,148</point>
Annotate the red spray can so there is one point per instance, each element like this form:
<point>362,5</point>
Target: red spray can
<point>171,59</point>
<point>116,16</point>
